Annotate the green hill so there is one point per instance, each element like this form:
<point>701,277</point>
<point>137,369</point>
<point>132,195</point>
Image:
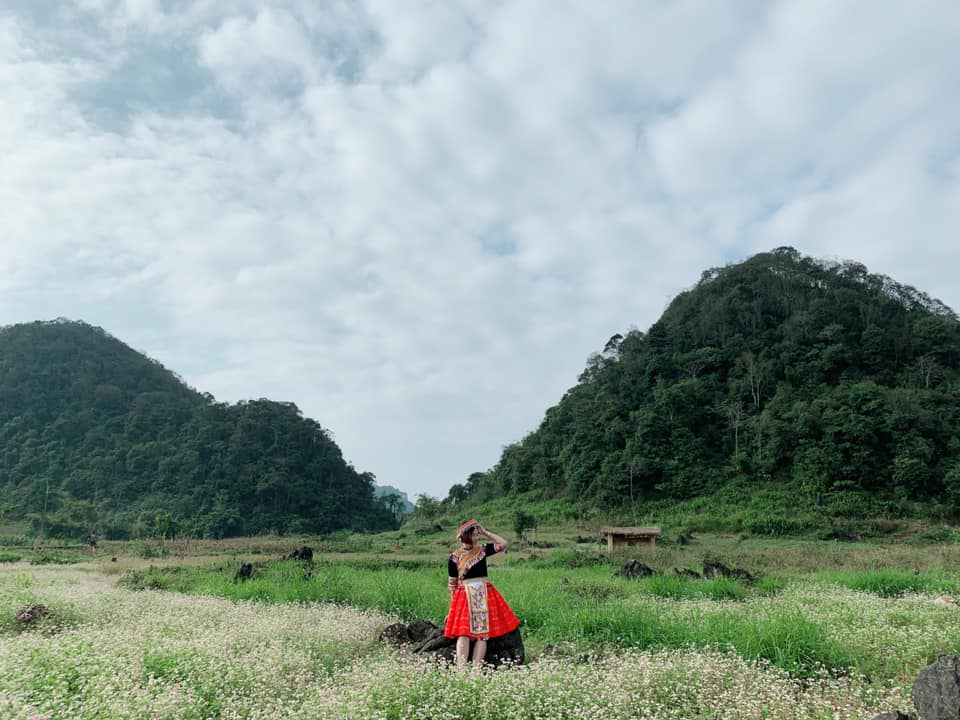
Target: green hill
<point>95,437</point>
<point>837,386</point>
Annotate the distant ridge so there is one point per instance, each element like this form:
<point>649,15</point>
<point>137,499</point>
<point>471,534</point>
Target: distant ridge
<point>97,438</point>
<point>840,386</point>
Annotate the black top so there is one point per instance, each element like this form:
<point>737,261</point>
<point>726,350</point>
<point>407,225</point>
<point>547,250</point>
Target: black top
<point>479,568</point>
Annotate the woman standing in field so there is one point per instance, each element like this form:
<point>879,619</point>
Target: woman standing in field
<point>477,611</point>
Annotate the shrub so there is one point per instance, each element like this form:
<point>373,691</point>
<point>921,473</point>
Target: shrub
<point>777,526</point>
<point>934,536</point>
<point>891,583</point>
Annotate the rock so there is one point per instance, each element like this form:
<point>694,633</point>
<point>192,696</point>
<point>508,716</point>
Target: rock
<point>936,691</point>
<point>895,715</point>
<point>305,553</point>
<point>416,632</point>
<point>712,569</point>
<point>420,629</point>
<point>29,614</point>
<point>434,642</point>
<point>500,650</point>
<point>243,572</point>
<point>396,634</point>
<point>589,657</point>
<point>506,649</point>
<point>687,573</point>
<point>635,570</point>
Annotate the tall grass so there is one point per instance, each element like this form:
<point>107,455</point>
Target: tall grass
<point>892,582</point>
<point>586,608</point>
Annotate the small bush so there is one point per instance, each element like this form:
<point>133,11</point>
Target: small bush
<point>891,583</point>
<point>934,536</point>
<point>777,526</point>
<point>770,585</point>
<point>571,559</point>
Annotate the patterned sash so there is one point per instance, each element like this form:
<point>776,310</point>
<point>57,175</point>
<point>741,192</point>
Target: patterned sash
<point>476,589</point>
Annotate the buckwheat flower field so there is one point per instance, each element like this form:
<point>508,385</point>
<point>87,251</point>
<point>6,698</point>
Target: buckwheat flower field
<point>109,652</point>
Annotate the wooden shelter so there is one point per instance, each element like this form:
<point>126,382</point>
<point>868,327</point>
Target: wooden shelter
<point>620,537</point>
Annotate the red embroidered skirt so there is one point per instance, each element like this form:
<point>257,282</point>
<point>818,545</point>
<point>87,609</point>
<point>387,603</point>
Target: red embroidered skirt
<point>478,611</point>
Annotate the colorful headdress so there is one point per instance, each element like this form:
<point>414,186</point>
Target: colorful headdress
<point>466,526</point>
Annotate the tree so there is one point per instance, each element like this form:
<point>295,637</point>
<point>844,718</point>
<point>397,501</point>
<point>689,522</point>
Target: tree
<point>522,522</point>
<point>427,507</point>
<point>826,368</point>
<point>457,494</point>
<point>394,504</point>
<point>82,413</point>
<point>734,413</point>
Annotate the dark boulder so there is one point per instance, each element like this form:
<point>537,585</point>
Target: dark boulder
<point>420,629</point>
<point>435,642</point>
<point>936,692</point>
<point>506,649</point>
<point>396,634</point>
<point>712,569</point>
<point>895,715</point>
<point>305,553</point>
<point>243,572</point>
<point>635,570</point>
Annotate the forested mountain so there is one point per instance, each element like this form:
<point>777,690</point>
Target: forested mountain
<point>842,385</point>
<point>97,438</point>
<point>394,498</point>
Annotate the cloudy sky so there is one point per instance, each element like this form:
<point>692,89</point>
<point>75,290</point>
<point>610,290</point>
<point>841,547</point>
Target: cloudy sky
<point>417,219</point>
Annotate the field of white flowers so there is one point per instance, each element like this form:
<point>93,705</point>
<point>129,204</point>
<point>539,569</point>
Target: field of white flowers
<point>115,653</point>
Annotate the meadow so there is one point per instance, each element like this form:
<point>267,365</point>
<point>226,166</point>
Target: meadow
<point>176,637</point>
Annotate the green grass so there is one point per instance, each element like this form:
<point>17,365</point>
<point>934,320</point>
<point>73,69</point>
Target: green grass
<point>892,582</point>
<point>585,606</point>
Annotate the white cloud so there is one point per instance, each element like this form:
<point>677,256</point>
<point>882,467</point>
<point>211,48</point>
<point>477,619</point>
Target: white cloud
<point>417,220</point>
<point>271,49</point>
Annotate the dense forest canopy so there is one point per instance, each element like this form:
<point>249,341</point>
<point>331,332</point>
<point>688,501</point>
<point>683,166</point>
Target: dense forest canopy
<point>841,384</point>
<point>96,438</point>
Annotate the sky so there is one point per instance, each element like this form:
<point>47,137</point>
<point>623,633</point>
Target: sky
<point>418,219</point>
